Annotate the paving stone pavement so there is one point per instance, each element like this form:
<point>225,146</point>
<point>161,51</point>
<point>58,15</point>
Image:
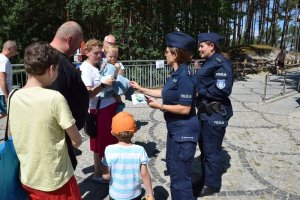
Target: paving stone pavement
<point>261,147</point>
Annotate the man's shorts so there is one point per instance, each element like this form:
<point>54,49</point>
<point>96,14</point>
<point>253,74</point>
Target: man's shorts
<point>280,64</point>
<point>3,108</point>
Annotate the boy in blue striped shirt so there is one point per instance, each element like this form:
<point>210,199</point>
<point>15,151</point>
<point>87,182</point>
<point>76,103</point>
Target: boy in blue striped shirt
<point>125,162</point>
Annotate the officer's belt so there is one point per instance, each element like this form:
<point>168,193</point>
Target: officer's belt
<point>209,107</point>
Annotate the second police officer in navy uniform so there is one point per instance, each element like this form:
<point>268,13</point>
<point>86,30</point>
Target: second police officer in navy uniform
<point>214,85</point>
<point>178,97</point>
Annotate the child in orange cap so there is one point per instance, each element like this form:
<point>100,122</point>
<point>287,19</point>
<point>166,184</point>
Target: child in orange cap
<point>126,162</point>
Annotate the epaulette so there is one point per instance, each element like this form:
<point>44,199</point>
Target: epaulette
<point>218,60</point>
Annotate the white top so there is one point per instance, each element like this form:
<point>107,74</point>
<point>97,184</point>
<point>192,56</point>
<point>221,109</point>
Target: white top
<point>5,66</point>
<point>91,78</point>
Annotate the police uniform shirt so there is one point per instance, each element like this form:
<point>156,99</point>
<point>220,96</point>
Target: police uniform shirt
<point>179,89</point>
<point>215,79</point>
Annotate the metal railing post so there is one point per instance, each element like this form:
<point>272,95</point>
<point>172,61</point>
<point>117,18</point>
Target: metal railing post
<point>151,83</point>
<point>265,89</point>
<point>284,83</point>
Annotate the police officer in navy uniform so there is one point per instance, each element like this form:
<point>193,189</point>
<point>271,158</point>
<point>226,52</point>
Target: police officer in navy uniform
<point>214,85</point>
<point>178,97</point>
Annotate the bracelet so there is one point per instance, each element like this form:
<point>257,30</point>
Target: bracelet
<point>162,107</point>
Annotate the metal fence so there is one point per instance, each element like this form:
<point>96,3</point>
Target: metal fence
<point>276,85</point>
<point>147,75</point>
<point>142,71</point>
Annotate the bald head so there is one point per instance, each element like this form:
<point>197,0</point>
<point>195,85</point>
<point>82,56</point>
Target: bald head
<point>69,28</point>
<point>10,48</point>
<point>9,44</point>
<point>108,40</point>
<point>68,38</point>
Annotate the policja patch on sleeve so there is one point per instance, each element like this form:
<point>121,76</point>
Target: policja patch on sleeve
<point>221,83</point>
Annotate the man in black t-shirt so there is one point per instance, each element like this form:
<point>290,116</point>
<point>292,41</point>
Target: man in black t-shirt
<point>67,40</point>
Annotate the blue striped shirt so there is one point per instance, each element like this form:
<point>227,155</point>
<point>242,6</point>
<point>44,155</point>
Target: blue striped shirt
<point>124,163</point>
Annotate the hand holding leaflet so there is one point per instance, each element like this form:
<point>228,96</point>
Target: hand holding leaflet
<point>138,99</point>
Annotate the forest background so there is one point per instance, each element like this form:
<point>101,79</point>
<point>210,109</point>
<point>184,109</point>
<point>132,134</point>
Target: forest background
<point>140,25</point>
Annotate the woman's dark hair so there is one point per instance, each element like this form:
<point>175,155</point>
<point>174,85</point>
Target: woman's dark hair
<point>183,56</point>
<point>38,57</point>
<point>216,47</point>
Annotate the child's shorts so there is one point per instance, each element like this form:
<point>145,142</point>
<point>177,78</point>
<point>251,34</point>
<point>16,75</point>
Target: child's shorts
<point>70,191</point>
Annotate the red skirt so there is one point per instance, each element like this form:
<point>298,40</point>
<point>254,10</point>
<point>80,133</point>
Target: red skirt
<point>104,136</point>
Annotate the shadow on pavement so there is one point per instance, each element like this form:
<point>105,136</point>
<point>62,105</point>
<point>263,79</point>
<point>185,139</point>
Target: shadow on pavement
<point>298,101</point>
<point>88,170</point>
<point>197,171</point>
<point>93,190</point>
<point>160,193</point>
<point>139,124</point>
<point>150,148</point>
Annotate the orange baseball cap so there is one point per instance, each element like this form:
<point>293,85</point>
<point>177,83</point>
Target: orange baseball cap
<point>123,121</point>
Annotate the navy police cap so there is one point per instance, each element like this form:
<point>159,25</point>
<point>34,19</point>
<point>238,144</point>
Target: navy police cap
<point>180,40</point>
<point>212,37</point>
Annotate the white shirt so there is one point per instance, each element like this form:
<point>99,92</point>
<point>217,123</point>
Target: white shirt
<point>5,66</point>
<point>91,78</point>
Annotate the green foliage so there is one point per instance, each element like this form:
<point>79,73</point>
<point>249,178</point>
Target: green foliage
<point>138,25</point>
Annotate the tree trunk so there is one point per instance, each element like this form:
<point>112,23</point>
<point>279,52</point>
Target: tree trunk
<point>249,21</point>
<point>240,22</point>
<point>274,22</point>
<point>285,24</point>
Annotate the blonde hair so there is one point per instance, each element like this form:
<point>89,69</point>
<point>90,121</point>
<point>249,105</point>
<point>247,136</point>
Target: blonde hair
<point>112,48</point>
<point>92,43</point>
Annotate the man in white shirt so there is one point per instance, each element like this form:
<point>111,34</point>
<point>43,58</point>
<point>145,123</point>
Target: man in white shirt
<point>9,49</point>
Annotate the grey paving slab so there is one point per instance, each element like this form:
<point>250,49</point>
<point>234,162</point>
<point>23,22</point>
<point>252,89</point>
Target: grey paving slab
<point>261,146</point>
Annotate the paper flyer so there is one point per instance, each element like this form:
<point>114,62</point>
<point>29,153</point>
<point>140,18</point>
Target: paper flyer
<point>138,99</point>
<point>160,64</point>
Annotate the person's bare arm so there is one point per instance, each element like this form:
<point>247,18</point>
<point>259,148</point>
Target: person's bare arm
<point>3,85</point>
<point>106,173</point>
<point>176,109</point>
<point>95,90</point>
<point>151,92</point>
<point>74,135</point>
<point>147,180</point>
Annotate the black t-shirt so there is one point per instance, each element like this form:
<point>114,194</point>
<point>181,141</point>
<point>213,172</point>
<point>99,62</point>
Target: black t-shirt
<point>70,85</point>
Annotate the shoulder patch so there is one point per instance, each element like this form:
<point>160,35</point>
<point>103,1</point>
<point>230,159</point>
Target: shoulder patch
<point>221,84</point>
<point>218,60</point>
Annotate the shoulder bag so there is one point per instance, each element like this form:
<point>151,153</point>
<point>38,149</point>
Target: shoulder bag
<point>10,184</point>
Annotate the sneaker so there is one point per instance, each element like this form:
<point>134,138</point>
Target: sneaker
<point>100,180</point>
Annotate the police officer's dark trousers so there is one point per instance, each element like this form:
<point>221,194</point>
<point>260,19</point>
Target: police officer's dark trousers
<point>210,143</point>
<point>181,147</point>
